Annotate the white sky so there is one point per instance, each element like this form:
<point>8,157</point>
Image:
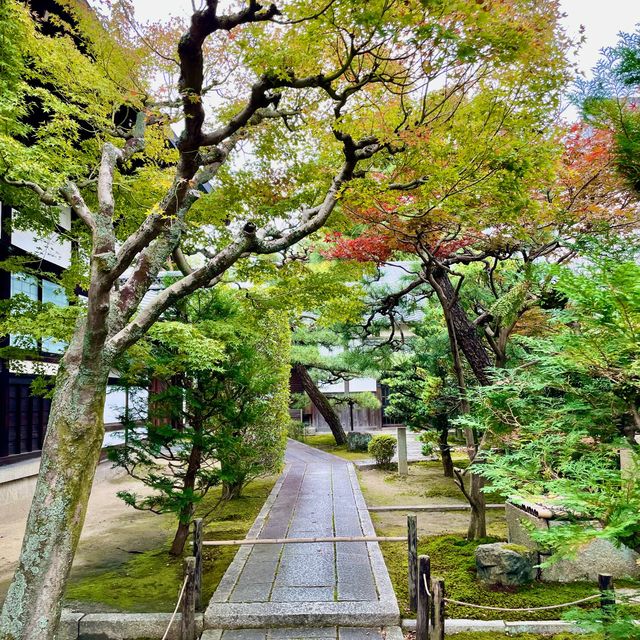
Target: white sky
<point>602,20</point>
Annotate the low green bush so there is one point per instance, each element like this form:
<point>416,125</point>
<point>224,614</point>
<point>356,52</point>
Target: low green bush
<point>382,447</point>
<point>295,430</point>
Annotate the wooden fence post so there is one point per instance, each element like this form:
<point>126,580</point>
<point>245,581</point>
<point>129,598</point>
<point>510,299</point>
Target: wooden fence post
<point>197,554</point>
<point>412,553</point>
<point>188,609</point>
<point>437,608</point>
<point>424,601</point>
<point>607,595</point>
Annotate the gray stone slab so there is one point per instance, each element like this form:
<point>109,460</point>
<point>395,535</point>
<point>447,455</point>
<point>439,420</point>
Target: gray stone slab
<point>259,571</point>
<point>129,626</point>
<point>541,627</point>
<point>246,592</point>
<point>308,548</point>
<point>69,625</point>
<point>266,552</point>
<point>461,625</point>
<point>308,571</point>
<point>324,633</point>
<point>364,592</point>
<point>356,633</point>
<point>294,614</point>
<point>245,634</point>
<point>303,594</point>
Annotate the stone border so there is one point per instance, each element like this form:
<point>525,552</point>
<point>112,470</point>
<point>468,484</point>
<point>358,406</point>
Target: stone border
<point>539,627</point>
<point>368,465</point>
<point>120,626</point>
<point>386,594</point>
<point>240,615</point>
<point>390,633</point>
<point>232,574</point>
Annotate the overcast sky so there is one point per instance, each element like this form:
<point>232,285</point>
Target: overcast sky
<point>602,20</point>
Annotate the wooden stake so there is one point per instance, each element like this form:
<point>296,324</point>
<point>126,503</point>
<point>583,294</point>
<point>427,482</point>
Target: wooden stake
<point>412,553</point>
<point>424,600</point>
<point>607,595</point>
<point>197,553</point>
<point>188,622</point>
<point>437,609</point>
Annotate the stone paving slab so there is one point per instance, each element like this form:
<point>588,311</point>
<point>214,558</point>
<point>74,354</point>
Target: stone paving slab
<point>322,633</point>
<point>286,585</point>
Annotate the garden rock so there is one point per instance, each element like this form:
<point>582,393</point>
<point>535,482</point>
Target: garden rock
<point>358,440</point>
<point>505,564</point>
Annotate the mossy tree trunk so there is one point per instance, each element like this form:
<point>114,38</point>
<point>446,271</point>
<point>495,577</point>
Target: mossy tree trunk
<point>70,454</point>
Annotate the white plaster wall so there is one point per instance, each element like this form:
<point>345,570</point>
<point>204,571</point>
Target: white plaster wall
<point>115,403</point>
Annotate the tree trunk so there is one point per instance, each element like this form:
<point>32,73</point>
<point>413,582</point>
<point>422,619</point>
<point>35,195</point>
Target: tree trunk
<point>70,454</point>
<point>231,490</point>
<point>321,404</point>
<point>182,533</point>
<point>475,497</point>
<point>466,333</point>
<point>478,521</point>
<point>188,485</point>
<point>443,443</point>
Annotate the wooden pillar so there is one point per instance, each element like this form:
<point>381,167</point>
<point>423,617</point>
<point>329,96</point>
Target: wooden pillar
<point>403,468</point>
<point>412,553</point>
<point>424,600</point>
<point>197,554</point>
<point>188,609</point>
<point>437,609</point>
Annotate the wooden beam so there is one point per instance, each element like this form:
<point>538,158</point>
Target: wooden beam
<point>432,507</point>
<point>235,543</point>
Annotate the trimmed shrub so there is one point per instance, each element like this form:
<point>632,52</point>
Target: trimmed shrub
<point>295,430</point>
<point>382,448</point>
<point>358,440</point>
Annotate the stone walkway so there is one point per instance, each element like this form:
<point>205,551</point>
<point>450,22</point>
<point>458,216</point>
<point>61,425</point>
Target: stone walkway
<point>321,585</point>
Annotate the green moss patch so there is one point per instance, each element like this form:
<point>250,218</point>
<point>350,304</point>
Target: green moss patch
<point>452,558</point>
<point>326,442</point>
<point>151,581</point>
<point>475,635</point>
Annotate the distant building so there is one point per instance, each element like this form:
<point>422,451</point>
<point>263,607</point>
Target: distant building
<point>391,279</point>
<point>23,415</point>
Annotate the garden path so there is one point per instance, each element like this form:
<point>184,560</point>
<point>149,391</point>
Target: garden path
<point>308,584</point>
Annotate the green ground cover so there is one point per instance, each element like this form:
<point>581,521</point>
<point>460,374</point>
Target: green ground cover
<point>326,442</point>
<point>151,580</point>
<point>522,636</point>
<point>452,558</point>
<point>442,537</point>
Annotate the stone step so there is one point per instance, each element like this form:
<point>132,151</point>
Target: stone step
<point>236,615</point>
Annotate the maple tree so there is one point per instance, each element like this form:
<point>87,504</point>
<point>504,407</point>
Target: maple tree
<point>312,92</point>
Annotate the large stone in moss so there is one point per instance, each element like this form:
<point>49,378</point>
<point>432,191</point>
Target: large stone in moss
<point>358,440</point>
<point>505,564</point>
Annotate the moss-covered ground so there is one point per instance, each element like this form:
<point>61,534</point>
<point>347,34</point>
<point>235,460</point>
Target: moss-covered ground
<point>442,537</point>
<point>521,636</point>
<point>326,442</point>
<point>150,581</point>
<point>452,558</point>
